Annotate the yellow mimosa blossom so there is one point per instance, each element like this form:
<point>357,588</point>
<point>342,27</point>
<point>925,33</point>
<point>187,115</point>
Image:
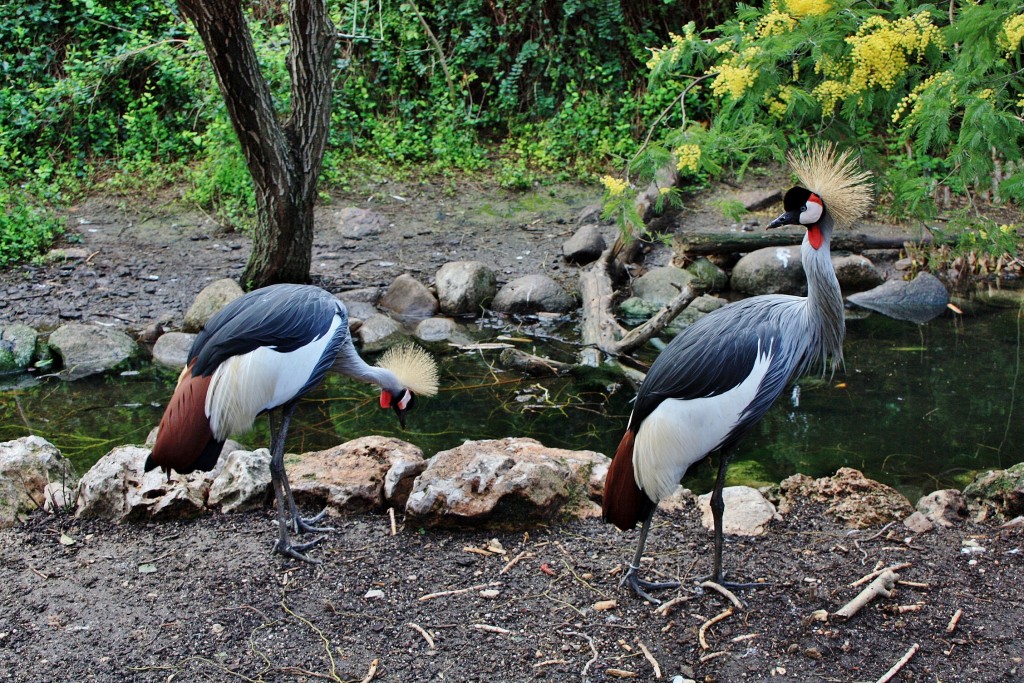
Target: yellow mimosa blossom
<point>913,100</point>
<point>881,49</point>
<point>775,23</point>
<point>806,8</point>
<point>732,80</point>
<point>1013,33</point>
<point>614,186</point>
<point>687,157</point>
<point>829,94</point>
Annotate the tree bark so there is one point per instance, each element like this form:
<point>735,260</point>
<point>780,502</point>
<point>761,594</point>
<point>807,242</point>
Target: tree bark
<point>284,157</point>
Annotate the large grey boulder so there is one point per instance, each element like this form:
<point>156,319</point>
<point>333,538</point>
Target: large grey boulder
<point>356,223</point>
<point>856,272</point>
<point>27,467</point>
<point>17,345</point>
<point>441,329</point>
<point>465,287</point>
<point>532,294</point>
<point>171,348</point>
<point>408,299</point>
<point>918,300</point>
<point>708,274</point>
<point>585,245</point>
<point>90,349</point>
<point>772,270</point>
<point>747,511</point>
<point>369,473</point>
<point>698,308</point>
<point>510,482</point>
<point>661,285</point>
<point>211,299</point>
<point>379,332</point>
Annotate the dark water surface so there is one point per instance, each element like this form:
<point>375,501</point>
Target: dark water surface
<point>920,407</point>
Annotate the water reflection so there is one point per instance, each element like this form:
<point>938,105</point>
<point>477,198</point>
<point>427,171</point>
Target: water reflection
<point>919,407</point>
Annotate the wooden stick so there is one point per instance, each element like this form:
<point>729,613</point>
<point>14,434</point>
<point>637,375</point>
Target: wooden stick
<point>882,585</point>
<point>394,527</point>
<point>900,664</point>
<point>514,561</point>
<point>664,608</point>
<point>954,621</point>
<point>492,629</point>
<point>708,624</point>
<point>458,591</point>
<point>724,591</point>
<point>903,609</point>
<point>372,672</point>
<point>620,673</point>
<point>426,636</point>
<point>868,577</point>
<point>650,658</point>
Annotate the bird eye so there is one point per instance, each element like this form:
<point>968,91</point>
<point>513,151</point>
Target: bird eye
<point>803,208</point>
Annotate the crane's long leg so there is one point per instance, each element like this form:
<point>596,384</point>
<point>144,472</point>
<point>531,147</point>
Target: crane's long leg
<point>299,523</point>
<point>717,512</point>
<point>282,492</point>
<point>632,578</point>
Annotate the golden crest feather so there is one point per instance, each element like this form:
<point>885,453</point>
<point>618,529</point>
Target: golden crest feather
<point>835,177</point>
<point>414,368</point>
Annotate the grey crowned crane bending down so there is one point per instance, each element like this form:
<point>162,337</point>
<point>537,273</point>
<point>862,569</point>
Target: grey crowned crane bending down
<point>717,378</point>
<point>264,351</point>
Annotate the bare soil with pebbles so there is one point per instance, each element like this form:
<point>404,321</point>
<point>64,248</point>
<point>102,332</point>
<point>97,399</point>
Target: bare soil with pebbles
<point>205,600</point>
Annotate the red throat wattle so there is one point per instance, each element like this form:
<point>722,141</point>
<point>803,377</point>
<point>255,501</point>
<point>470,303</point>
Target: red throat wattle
<point>813,236</point>
<point>385,399</point>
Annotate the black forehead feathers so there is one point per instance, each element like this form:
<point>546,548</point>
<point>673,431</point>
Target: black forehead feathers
<point>795,198</point>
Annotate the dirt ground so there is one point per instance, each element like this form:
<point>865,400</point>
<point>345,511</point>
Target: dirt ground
<point>205,600</point>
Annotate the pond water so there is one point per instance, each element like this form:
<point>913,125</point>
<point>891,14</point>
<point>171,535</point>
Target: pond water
<point>920,407</point>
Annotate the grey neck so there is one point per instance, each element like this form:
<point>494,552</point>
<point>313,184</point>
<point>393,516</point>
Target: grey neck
<point>824,308</point>
<point>348,362</point>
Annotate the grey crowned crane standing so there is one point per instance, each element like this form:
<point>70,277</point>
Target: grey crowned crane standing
<point>716,379</point>
<point>264,351</point>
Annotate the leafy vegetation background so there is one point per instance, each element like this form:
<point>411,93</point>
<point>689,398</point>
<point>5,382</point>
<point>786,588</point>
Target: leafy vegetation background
<point>117,96</point>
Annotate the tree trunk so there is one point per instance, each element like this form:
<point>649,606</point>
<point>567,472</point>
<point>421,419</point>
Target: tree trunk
<point>284,158</point>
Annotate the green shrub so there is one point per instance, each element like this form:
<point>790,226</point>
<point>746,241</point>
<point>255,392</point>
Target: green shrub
<point>26,227</point>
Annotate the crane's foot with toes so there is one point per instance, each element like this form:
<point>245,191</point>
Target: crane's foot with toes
<point>303,525</point>
<point>297,550</point>
<point>640,586</point>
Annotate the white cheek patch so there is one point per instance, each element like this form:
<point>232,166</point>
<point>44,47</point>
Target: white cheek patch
<point>812,211</point>
<point>404,402</point>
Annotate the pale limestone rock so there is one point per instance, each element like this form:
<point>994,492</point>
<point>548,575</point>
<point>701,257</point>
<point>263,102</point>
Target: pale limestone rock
<point>918,523</point>
<point>117,489</point>
<point>533,294</point>
<point>661,285</point>
<point>27,467</point>
<point>747,512</point>
<point>585,245</point>
<point>509,482</point>
<point>171,349</point>
<point>997,492</point>
<point>354,476</point>
<point>680,499</point>
<point>772,270</point>
<point>946,507</point>
<point>243,482</point>
<point>851,498</point>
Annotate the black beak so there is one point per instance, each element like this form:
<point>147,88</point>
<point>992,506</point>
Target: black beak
<point>401,416</point>
<point>788,218</point>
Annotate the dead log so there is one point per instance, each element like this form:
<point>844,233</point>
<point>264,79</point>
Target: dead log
<point>529,364</point>
<point>704,243</point>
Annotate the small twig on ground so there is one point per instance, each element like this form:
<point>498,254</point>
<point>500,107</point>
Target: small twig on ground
<point>882,585</point>
<point>878,572</point>
<point>903,609</point>
<point>37,572</point>
<point>426,636</point>
<point>724,591</point>
<point>620,673</point>
<point>372,672</point>
<point>394,526</point>
<point>458,591</point>
<point>951,626</point>
<point>713,655</point>
<point>650,658</point>
<point>515,560</point>
<point>593,648</point>
<point>664,608</point>
<point>708,624</point>
<point>549,662</point>
<point>744,637</point>
<point>900,664</point>
<point>492,629</point>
